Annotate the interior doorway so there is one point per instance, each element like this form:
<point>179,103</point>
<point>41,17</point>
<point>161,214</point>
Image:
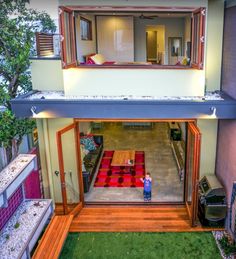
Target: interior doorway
<point>155,44</point>
<point>151,37</point>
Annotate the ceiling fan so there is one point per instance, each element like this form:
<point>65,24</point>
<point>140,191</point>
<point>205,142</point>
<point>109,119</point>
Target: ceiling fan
<point>148,17</point>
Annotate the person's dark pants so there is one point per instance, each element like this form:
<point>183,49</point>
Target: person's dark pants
<point>147,195</point>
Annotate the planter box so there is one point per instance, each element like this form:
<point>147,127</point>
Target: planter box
<point>12,176</point>
<point>22,231</point>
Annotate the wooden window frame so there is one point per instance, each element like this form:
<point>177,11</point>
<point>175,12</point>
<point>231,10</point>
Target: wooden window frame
<point>200,43</point>
<point>199,64</point>
<point>89,33</point>
<point>65,62</point>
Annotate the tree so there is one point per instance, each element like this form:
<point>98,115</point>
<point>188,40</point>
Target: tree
<point>18,25</point>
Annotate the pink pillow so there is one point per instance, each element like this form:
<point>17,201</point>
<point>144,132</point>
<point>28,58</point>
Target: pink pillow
<point>90,61</point>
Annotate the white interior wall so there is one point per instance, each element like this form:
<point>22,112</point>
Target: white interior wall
<point>85,47</point>
<point>174,27</point>
<point>85,127</point>
<point>115,38</point>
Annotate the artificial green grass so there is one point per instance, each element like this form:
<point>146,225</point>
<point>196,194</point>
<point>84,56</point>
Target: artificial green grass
<point>140,245</point>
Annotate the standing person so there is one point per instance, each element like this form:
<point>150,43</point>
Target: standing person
<point>147,187</point>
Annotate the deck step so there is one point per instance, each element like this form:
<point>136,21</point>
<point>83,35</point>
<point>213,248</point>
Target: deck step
<point>54,237</point>
<point>133,219</point>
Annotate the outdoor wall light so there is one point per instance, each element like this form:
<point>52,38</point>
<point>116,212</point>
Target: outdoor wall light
<point>213,112</point>
<point>33,110</point>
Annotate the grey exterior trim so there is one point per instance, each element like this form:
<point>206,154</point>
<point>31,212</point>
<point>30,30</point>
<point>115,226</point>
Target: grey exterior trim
<point>124,109</point>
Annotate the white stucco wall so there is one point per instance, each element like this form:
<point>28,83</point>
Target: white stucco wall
<point>208,129</point>
<point>214,43</point>
<point>194,3</point>
<point>157,82</point>
<point>47,74</point>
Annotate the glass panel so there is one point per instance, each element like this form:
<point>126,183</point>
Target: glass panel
<point>190,167</point>
<point>67,176</point>
<point>70,167</point>
<point>85,29</point>
<point>68,38</point>
<point>196,38</point>
<point>192,175</point>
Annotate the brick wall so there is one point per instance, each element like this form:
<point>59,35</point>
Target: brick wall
<point>226,159</point>
<point>229,53</point>
<point>13,203</point>
<point>226,155</point>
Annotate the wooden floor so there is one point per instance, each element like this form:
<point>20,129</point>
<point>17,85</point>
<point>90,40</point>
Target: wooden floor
<point>133,219</point>
<point>51,243</point>
<point>59,208</point>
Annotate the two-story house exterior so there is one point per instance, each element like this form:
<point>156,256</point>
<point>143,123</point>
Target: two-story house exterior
<point>194,95</point>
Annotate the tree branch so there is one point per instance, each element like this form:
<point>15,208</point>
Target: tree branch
<point>5,74</point>
<point>12,88</point>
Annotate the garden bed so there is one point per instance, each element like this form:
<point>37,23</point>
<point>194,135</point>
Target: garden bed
<point>21,232</point>
<point>218,235</point>
<point>12,176</point>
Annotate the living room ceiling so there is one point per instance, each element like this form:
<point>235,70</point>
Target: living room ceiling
<point>140,14</point>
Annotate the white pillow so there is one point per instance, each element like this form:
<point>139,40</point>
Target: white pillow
<point>98,59</point>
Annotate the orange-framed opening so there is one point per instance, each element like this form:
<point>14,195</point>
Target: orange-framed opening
<point>198,33</point>
<point>192,131</point>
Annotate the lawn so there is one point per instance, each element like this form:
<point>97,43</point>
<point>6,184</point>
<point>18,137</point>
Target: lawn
<point>140,245</point>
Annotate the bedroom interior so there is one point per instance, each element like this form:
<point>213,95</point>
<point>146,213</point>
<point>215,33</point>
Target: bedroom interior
<point>133,38</point>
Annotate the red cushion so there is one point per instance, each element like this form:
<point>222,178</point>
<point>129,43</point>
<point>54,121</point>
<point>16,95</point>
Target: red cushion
<point>109,63</point>
<point>90,61</point>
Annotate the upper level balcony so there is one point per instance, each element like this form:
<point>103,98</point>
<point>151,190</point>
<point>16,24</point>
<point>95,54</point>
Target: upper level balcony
<point>141,52</point>
<point>129,81</point>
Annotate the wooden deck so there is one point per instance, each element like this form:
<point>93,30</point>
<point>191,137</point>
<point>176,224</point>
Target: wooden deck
<point>52,241</point>
<point>133,219</point>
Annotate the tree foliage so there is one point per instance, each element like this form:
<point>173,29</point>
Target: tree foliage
<point>18,25</point>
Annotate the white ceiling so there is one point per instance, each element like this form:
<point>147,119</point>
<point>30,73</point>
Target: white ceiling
<point>145,14</point>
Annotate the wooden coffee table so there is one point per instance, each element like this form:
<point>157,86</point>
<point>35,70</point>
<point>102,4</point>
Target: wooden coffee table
<point>123,158</point>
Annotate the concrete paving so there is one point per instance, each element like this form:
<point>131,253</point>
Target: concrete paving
<point>159,161</point>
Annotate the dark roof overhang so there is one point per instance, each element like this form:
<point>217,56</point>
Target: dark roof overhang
<point>124,109</point>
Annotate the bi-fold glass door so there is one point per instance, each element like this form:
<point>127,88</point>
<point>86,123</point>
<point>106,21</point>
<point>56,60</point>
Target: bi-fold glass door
<point>192,171</point>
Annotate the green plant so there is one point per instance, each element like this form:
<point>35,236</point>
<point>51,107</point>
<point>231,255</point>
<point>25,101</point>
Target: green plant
<point>18,24</point>
<point>17,225</point>
<point>7,237</point>
<point>227,246</point>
